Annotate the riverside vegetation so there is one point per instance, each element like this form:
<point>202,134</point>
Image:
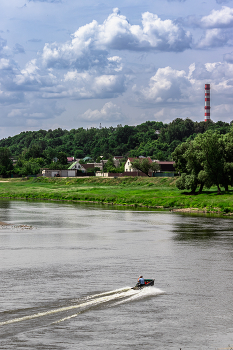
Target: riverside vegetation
<point>131,191</point>
<point>203,153</point>
<point>36,149</point>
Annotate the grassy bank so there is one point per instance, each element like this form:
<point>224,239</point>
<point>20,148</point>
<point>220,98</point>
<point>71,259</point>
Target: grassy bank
<point>149,192</point>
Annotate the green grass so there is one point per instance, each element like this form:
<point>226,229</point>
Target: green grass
<point>132,191</point>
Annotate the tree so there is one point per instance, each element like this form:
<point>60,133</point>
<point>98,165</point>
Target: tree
<point>210,155</point>
<point>145,165</point>
<point>109,166</point>
<point>205,161</point>
<point>6,165</point>
<point>62,158</point>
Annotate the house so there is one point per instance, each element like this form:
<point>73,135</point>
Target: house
<point>77,166</point>
<point>70,159</point>
<point>84,167</point>
<point>128,164</point>
<point>166,166</point>
<point>93,165</point>
<point>58,173</point>
<point>116,160</point>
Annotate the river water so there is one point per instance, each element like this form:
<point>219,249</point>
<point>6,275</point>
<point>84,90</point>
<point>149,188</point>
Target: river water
<point>65,281</point>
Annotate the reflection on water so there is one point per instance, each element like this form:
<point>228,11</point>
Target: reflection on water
<point>4,211</point>
<point>66,283</point>
<point>202,228</point>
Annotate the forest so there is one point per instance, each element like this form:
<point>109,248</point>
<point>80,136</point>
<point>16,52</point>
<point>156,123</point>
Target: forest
<point>36,149</point>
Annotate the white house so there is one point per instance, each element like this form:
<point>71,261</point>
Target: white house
<point>128,164</point>
<point>77,166</point>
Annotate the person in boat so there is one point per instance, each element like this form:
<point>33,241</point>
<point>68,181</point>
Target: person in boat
<point>141,281</point>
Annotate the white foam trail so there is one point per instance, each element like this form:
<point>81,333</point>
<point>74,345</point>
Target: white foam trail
<point>127,294</point>
<point>108,296</point>
<point>141,294</point>
<point>67,318</point>
<point>110,292</point>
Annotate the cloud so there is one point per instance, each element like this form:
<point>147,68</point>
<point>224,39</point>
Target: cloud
<point>31,113</point>
<point>86,85</point>
<point>3,43</point>
<point>32,78</point>
<point>222,1</point>
<point>169,86</point>
<point>5,63</point>
<point>9,98</point>
<point>89,45</point>
<point>215,38</point>
<point>228,57</point>
<point>117,33</point>
<point>218,28</point>
<point>109,112</point>
<point>218,18</point>
<point>222,18</point>
<point>18,49</point>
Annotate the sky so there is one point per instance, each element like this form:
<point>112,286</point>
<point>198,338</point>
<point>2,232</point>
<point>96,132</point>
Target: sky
<point>70,63</point>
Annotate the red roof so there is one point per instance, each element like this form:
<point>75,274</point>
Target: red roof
<point>88,166</point>
<point>133,159</point>
<point>164,162</point>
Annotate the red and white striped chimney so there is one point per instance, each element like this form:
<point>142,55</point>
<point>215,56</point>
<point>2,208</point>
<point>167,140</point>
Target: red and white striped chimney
<point>207,102</point>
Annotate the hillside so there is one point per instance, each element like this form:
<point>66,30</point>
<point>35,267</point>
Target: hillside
<point>151,138</point>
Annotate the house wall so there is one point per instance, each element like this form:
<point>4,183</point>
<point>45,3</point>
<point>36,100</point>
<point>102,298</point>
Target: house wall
<point>71,173</point>
<point>62,173</point>
<point>128,166</point>
<point>134,173</point>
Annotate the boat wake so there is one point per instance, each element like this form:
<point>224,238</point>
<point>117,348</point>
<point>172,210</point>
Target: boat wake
<point>111,298</point>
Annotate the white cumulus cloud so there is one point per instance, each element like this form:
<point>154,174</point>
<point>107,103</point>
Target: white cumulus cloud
<point>215,38</point>
<point>218,18</point>
<point>109,112</point>
<point>166,85</point>
<point>169,85</point>
<point>89,45</point>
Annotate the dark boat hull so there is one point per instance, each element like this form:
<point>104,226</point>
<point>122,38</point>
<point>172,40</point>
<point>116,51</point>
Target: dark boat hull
<point>148,283</point>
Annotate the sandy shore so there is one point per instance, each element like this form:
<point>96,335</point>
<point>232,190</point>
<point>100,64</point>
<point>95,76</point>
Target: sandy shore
<point>188,210</point>
<point>2,224</point>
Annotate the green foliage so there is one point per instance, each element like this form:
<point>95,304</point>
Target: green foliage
<point>205,161</point>
<point>37,149</point>
<point>6,165</point>
<point>151,138</point>
<point>132,191</point>
<point>62,158</point>
<point>109,166</point>
<point>145,165</point>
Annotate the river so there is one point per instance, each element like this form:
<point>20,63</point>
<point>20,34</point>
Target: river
<point>66,278</point>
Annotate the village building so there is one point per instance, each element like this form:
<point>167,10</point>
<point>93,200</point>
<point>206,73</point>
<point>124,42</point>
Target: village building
<point>129,166</point>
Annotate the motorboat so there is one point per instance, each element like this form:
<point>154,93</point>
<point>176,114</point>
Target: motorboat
<point>148,283</point>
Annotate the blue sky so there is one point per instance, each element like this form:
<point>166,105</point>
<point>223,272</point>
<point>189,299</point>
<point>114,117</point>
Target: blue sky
<point>70,63</point>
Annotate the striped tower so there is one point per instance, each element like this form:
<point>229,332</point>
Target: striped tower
<point>207,102</point>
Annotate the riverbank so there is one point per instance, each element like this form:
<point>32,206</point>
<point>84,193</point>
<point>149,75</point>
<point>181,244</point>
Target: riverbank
<point>131,191</point>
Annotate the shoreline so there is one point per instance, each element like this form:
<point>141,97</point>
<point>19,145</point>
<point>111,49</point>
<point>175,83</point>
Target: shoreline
<point>149,193</point>
<point>135,206</point>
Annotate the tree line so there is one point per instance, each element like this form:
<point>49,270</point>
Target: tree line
<point>36,149</point>
<point>154,139</point>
